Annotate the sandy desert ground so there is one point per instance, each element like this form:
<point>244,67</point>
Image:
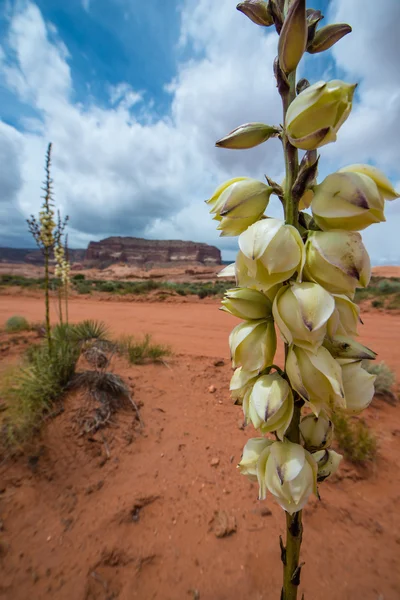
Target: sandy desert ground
<point>76,525</point>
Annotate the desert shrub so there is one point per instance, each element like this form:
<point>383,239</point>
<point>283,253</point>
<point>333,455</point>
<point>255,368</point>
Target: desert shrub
<point>31,391</point>
<point>140,351</point>
<point>394,303</point>
<point>83,287</point>
<point>78,277</point>
<point>354,437</point>
<point>385,377</point>
<point>388,286</point>
<point>107,286</point>
<point>377,303</point>
<point>16,323</point>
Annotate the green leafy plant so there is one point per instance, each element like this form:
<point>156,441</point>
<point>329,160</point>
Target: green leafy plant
<point>16,323</point>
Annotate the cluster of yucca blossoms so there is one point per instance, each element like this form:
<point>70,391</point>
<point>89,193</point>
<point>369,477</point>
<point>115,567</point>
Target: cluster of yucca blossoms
<point>298,276</point>
<point>63,267</point>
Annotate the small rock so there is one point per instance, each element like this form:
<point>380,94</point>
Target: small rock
<point>223,524</point>
<point>214,462</point>
<point>212,389</point>
<point>241,424</point>
<point>219,363</point>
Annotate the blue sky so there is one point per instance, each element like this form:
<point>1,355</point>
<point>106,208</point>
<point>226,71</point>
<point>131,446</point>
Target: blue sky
<point>134,94</point>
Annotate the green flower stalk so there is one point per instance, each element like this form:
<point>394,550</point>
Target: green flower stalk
<point>297,276</point>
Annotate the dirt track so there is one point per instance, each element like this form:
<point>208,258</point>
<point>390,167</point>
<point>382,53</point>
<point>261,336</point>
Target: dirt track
<point>69,521</point>
<point>195,328</point>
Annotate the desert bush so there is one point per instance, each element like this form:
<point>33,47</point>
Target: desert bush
<point>394,303</point>
<point>16,323</point>
<point>385,377</point>
<point>140,351</point>
<point>377,303</point>
<point>31,391</point>
<point>83,287</point>
<point>354,437</point>
<point>78,277</point>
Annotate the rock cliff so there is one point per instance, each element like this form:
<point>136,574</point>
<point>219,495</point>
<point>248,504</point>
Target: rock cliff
<point>142,252</point>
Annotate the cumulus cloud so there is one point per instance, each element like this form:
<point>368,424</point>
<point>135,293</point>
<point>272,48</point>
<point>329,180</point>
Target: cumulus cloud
<point>121,170</point>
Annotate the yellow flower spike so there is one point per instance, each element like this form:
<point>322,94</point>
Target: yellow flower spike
<point>302,311</point>
<point>328,462</point>
<point>384,186</point>
<point>315,116</point>
<point>337,260</point>
<point>289,473</point>
<point>358,386</point>
<point>251,455</point>
<point>270,253</point>
<point>349,201</point>
<point>253,345</point>
<point>316,432</point>
<point>270,404</point>
<point>247,304</point>
<point>317,378</point>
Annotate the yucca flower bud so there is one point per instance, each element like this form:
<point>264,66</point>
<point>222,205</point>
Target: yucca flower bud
<point>251,454</point>
<point>247,304</point>
<point>301,311</point>
<point>337,260</point>
<point>270,252</point>
<point>289,472</point>
<point>241,381</point>
<point>347,348</point>
<point>345,317</point>
<point>358,386</point>
<point>257,11</point>
<point>253,345</point>
<point>248,136</point>
<point>316,115</point>
<point>349,201</point>
<point>215,201</point>
<point>327,36</point>
<point>316,377</point>
<point>293,36</point>
<point>384,186</point>
<point>239,205</point>
<point>269,404</point>
<point>316,432</point>
<point>328,462</point>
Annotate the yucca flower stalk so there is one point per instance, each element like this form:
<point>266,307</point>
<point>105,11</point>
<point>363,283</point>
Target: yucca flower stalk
<point>61,262</point>
<point>298,276</point>
<point>43,230</point>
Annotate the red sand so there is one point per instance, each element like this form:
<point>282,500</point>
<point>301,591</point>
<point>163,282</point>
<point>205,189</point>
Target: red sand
<point>66,527</point>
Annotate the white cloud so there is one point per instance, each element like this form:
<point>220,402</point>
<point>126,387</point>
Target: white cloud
<point>120,170</point>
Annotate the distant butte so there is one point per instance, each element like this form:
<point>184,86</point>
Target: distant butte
<point>128,250</point>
